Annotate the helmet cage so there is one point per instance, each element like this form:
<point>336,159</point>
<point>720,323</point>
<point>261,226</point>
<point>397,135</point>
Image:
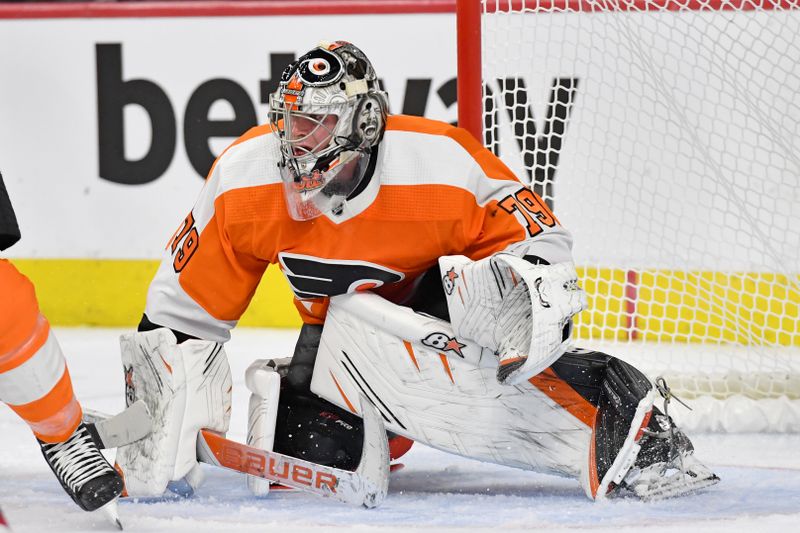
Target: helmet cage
<point>318,153</point>
<point>298,150</point>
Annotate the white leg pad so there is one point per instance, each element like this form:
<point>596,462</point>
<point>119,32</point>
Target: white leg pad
<point>264,384</point>
<point>187,387</point>
<point>435,388</point>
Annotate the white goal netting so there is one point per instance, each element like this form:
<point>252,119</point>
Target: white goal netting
<point>666,135</point>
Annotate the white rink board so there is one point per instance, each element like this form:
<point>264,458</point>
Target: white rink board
<point>49,124</point>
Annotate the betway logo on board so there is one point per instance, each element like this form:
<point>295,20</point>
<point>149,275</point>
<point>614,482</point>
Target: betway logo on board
<point>539,149</point>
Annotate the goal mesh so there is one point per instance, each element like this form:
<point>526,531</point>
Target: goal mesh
<point>665,135</point>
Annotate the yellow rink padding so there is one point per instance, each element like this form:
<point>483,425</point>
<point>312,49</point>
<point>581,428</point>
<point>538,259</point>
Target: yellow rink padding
<point>111,293</point>
<point>670,306</point>
<point>696,306</point>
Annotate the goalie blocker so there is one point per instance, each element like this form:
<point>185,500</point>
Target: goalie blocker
<point>186,387</point>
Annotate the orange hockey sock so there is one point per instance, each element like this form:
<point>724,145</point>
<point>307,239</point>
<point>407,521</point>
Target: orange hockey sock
<point>34,380</point>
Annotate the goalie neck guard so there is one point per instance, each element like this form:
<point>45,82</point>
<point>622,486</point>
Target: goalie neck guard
<point>329,114</point>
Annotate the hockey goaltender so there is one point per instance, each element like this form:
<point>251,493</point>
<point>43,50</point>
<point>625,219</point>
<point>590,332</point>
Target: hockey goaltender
<point>433,286</point>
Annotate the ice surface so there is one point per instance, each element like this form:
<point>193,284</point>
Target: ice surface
<point>436,492</point>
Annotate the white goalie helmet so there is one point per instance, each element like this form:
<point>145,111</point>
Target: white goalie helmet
<point>329,113</point>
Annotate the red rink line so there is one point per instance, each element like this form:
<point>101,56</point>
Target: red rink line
<point>215,8</point>
<point>239,8</point>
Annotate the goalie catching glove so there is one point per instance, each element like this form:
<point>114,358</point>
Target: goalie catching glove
<point>520,310</point>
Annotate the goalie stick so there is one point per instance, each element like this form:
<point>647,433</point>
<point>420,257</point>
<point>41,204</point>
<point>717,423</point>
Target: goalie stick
<point>366,486</point>
<point>113,431</point>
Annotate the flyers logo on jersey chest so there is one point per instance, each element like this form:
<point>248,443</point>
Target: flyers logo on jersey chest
<point>316,277</point>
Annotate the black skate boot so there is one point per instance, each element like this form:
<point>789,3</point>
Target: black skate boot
<point>82,470</point>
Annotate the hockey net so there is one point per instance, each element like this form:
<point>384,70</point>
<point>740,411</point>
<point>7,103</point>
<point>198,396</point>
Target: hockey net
<point>666,135</point>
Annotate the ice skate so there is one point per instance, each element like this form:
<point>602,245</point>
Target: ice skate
<point>666,466</point>
<point>82,470</point>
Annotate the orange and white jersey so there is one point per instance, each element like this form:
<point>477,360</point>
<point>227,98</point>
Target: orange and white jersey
<point>435,191</point>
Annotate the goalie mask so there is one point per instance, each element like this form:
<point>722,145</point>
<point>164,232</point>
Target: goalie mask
<point>329,113</point>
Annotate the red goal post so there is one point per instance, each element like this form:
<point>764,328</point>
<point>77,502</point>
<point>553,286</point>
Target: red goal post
<point>666,133</point>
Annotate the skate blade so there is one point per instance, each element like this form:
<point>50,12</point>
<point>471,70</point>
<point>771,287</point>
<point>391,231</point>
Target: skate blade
<point>111,511</point>
<point>675,488</point>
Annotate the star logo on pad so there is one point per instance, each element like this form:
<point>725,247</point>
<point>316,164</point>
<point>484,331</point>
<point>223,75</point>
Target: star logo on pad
<point>454,346</point>
<point>444,342</point>
<point>449,280</point>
